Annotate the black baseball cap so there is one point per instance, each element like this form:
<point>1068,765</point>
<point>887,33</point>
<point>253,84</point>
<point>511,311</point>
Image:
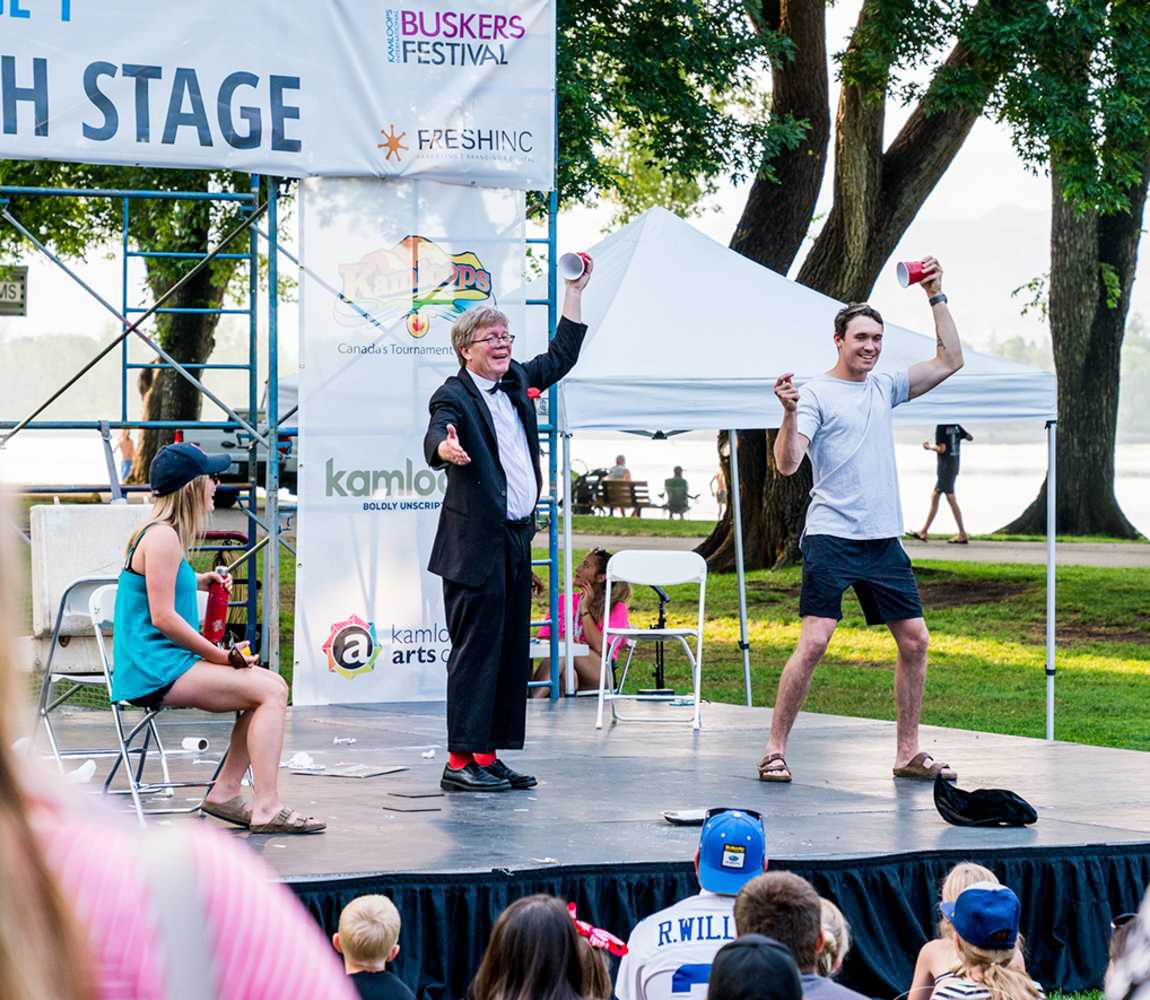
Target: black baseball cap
<point>176,465</point>
<point>754,967</point>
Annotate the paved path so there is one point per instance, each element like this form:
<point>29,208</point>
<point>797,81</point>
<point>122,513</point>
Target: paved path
<point>1113,555</point>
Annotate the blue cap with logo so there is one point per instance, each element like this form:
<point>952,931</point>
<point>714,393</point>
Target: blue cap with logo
<point>732,850</point>
<point>176,465</point>
<point>985,915</point>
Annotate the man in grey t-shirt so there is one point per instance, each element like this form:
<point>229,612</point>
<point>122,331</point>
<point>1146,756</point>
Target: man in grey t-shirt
<point>842,419</point>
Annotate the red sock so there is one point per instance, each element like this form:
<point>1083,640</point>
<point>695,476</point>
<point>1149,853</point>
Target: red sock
<point>457,760</point>
<point>484,759</point>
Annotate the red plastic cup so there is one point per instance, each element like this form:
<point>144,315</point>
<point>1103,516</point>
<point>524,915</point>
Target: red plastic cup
<point>910,272</point>
<point>572,266</point>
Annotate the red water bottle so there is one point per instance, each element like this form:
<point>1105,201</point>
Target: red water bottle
<point>216,616</point>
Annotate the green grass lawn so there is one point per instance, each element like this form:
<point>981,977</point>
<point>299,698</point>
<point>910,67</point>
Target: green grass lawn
<point>987,656</point>
<point>653,525</point>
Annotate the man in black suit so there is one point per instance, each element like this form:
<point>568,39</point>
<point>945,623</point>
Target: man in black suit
<point>483,429</point>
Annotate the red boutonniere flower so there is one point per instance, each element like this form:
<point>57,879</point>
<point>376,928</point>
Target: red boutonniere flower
<point>533,393</point>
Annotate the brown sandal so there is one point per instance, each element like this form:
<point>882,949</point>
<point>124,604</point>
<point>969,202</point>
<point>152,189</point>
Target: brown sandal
<point>289,821</point>
<point>234,810</point>
<point>917,767</point>
<point>779,773</point>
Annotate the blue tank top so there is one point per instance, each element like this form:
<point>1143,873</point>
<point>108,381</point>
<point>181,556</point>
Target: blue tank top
<point>144,660</point>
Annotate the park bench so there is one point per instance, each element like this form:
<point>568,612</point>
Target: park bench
<point>626,494</point>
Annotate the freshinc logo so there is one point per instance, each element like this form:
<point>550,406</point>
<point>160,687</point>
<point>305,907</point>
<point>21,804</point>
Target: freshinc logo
<point>351,647</point>
<point>416,279</point>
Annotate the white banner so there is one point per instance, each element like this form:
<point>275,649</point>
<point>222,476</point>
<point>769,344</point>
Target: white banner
<point>412,256</point>
<point>462,90</point>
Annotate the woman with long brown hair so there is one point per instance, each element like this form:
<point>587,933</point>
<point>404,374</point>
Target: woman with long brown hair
<point>161,659</point>
<point>593,607</point>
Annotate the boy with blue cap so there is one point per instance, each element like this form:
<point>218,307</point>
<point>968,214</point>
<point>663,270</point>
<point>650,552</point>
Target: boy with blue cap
<point>985,918</point>
<point>670,953</point>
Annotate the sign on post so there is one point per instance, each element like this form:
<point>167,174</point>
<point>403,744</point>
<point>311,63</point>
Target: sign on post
<point>13,291</point>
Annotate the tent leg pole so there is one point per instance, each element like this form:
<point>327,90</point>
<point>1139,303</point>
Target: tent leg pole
<point>1051,531</point>
<point>740,571</point>
<point>568,572</point>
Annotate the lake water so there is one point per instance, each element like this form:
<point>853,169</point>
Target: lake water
<point>997,482</point>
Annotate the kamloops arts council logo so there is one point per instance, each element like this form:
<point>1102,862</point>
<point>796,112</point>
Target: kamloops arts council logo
<point>416,280</point>
<point>351,647</point>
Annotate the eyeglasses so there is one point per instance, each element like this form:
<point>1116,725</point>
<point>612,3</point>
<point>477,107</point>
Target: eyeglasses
<point>508,338</point>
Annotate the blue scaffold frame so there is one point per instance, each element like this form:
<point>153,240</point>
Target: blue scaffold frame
<point>270,431</point>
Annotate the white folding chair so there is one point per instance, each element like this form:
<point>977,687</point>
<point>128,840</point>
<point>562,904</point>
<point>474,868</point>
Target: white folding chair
<point>101,610</point>
<point>653,568</point>
<point>73,606</point>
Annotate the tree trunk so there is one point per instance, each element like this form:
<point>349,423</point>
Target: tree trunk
<point>876,196</point>
<point>1087,327</point>
<point>187,337</point>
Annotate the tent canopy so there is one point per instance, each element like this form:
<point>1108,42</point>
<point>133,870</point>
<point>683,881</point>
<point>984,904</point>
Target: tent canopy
<point>687,333</point>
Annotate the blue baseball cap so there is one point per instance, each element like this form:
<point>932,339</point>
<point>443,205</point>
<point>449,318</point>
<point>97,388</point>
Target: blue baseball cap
<point>176,465</point>
<point>985,915</point>
<point>732,850</point>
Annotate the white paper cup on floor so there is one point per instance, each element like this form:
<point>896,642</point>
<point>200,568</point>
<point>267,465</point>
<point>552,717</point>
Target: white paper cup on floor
<point>572,266</point>
<point>197,744</point>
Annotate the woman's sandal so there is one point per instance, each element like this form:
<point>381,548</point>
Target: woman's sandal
<point>289,821</point>
<point>773,767</point>
<point>234,810</point>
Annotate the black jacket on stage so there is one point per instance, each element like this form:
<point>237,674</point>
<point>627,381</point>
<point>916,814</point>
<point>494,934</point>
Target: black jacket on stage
<point>470,538</point>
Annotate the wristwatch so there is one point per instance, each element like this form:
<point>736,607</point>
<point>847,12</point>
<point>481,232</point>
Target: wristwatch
<point>936,299</point>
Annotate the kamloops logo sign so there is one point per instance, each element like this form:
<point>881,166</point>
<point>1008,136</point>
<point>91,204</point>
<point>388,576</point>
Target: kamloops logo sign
<point>406,482</point>
<point>417,280</point>
<point>458,38</point>
<point>351,647</point>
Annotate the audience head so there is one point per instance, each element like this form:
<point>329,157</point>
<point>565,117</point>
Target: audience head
<point>183,480</point>
<point>732,850</point>
<point>678,470</point>
<point>836,940</point>
<point>41,952</point>
<point>1128,974</point>
<point>620,460</point>
<point>591,574</point>
<point>533,954</point>
<point>961,876</point>
<point>594,944</point>
<point>368,933</point>
<point>985,918</point>
<point>753,967</point>
<point>785,907</point>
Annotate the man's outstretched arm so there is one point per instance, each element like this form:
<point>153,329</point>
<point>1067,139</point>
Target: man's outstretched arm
<point>948,358</point>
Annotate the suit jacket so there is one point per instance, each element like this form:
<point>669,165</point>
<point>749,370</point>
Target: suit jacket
<point>470,537</point>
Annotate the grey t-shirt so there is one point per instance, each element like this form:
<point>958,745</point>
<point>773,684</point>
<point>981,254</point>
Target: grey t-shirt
<point>855,492</point>
<point>821,988</point>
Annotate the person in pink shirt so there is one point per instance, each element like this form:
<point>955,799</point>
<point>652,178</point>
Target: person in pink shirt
<point>590,580</point>
<point>92,908</point>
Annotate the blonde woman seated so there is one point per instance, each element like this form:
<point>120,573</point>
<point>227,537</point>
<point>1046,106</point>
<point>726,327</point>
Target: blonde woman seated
<point>590,580</point>
<point>160,658</point>
<point>985,920</point>
<point>937,959</point>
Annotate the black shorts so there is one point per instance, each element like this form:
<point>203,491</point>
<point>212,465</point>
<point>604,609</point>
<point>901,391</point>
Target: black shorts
<point>878,569</point>
<point>947,474</point>
<point>154,700</point>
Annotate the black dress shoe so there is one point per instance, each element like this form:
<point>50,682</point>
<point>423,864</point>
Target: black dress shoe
<point>500,770</point>
<point>471,778</point>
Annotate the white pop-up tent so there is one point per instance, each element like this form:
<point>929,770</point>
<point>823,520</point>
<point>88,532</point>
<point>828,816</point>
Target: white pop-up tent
<point>686,334</point>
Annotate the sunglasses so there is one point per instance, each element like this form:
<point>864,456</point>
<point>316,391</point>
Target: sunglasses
<point>1121,920</point>
<point>214,477</point>
<point>597,937</point>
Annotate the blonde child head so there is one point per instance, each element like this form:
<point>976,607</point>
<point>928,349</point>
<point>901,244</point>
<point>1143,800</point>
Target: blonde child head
<point>368,933</point>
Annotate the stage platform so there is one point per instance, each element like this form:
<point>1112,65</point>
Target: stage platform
<point>593,829</point>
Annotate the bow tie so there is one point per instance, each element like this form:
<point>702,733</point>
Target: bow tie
<point>506,384</point>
